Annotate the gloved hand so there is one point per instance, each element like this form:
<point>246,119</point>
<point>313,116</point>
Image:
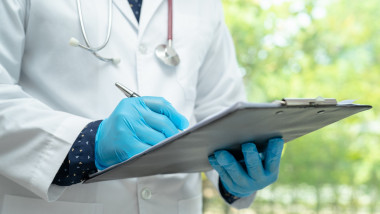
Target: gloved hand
<point>242,182</point>
<point>135,125</point>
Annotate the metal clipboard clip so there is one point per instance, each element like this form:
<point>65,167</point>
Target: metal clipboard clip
<point>319,101</point>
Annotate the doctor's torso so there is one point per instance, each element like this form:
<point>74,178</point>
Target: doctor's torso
<point>72,80</point>
<point>51,63</point>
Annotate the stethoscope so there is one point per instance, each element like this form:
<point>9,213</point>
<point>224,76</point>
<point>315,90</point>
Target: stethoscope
<point>165,52</point>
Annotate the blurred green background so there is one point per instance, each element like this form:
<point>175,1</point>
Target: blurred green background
<point>310,48</point>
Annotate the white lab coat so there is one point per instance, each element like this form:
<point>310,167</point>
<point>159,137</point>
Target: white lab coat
<point>49,91</point>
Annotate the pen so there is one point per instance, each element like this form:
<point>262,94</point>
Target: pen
<point>128,92</point>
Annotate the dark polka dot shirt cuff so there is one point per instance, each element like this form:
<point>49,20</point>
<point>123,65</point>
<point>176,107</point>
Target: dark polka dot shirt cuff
<point>226,195</point>
<point>80,162</point>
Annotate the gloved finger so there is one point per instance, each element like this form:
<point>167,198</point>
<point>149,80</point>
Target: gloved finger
<point>124,153</point>
<point>138,147</point>
<point>273,155</point>
<point>161,106</point>
<point>232,167</point>
<point>160,123</point>
<point>222,173</point>
<point>252,160</point>
<point>224,177</point>
<point>148,135</point>
<point>227,181</point>
<point>119,154</point>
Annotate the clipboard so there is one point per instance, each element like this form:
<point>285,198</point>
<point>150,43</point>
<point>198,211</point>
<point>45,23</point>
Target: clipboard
<point>188,151</point>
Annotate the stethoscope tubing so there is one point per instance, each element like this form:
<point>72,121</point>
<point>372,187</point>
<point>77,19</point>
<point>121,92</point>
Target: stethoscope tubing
<point>162,51</point>
<point>89,47</point>
<point>170,20</point>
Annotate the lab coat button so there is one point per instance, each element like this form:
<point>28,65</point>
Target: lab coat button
<point>146,194</point>
<point>143,49</point>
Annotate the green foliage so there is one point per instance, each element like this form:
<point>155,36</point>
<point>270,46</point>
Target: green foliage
<point>297,48</point>
<point>310,48</point>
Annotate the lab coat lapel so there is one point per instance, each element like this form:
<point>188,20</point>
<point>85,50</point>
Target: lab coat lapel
<point>124,8</point>
<point>148,10</point>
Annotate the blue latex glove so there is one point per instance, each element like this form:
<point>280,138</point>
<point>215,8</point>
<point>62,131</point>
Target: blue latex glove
<point>242,182</point>
<point>135,125</point>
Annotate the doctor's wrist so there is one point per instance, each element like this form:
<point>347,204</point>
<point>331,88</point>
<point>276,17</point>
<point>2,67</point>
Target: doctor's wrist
<point>80,161</point>
<point>228,197</point>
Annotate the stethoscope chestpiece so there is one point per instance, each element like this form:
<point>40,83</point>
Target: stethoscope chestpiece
<point>167,54</point>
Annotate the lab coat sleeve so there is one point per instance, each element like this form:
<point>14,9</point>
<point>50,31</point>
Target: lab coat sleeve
<point>34,139</point>
<point>220,84</point>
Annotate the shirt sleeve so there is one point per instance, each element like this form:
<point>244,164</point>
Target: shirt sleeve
<point>228,197</point>
<point>80,161</point>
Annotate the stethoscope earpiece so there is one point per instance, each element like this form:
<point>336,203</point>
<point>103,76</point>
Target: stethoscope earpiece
<point>74,42</point>
<point>116,61</point>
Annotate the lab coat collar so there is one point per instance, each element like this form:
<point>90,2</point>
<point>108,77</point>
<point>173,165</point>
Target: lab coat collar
<point>148,10</point>
<point>126,10</point>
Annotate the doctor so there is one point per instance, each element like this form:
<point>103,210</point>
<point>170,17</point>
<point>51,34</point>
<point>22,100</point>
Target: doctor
<point>61,117</point>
